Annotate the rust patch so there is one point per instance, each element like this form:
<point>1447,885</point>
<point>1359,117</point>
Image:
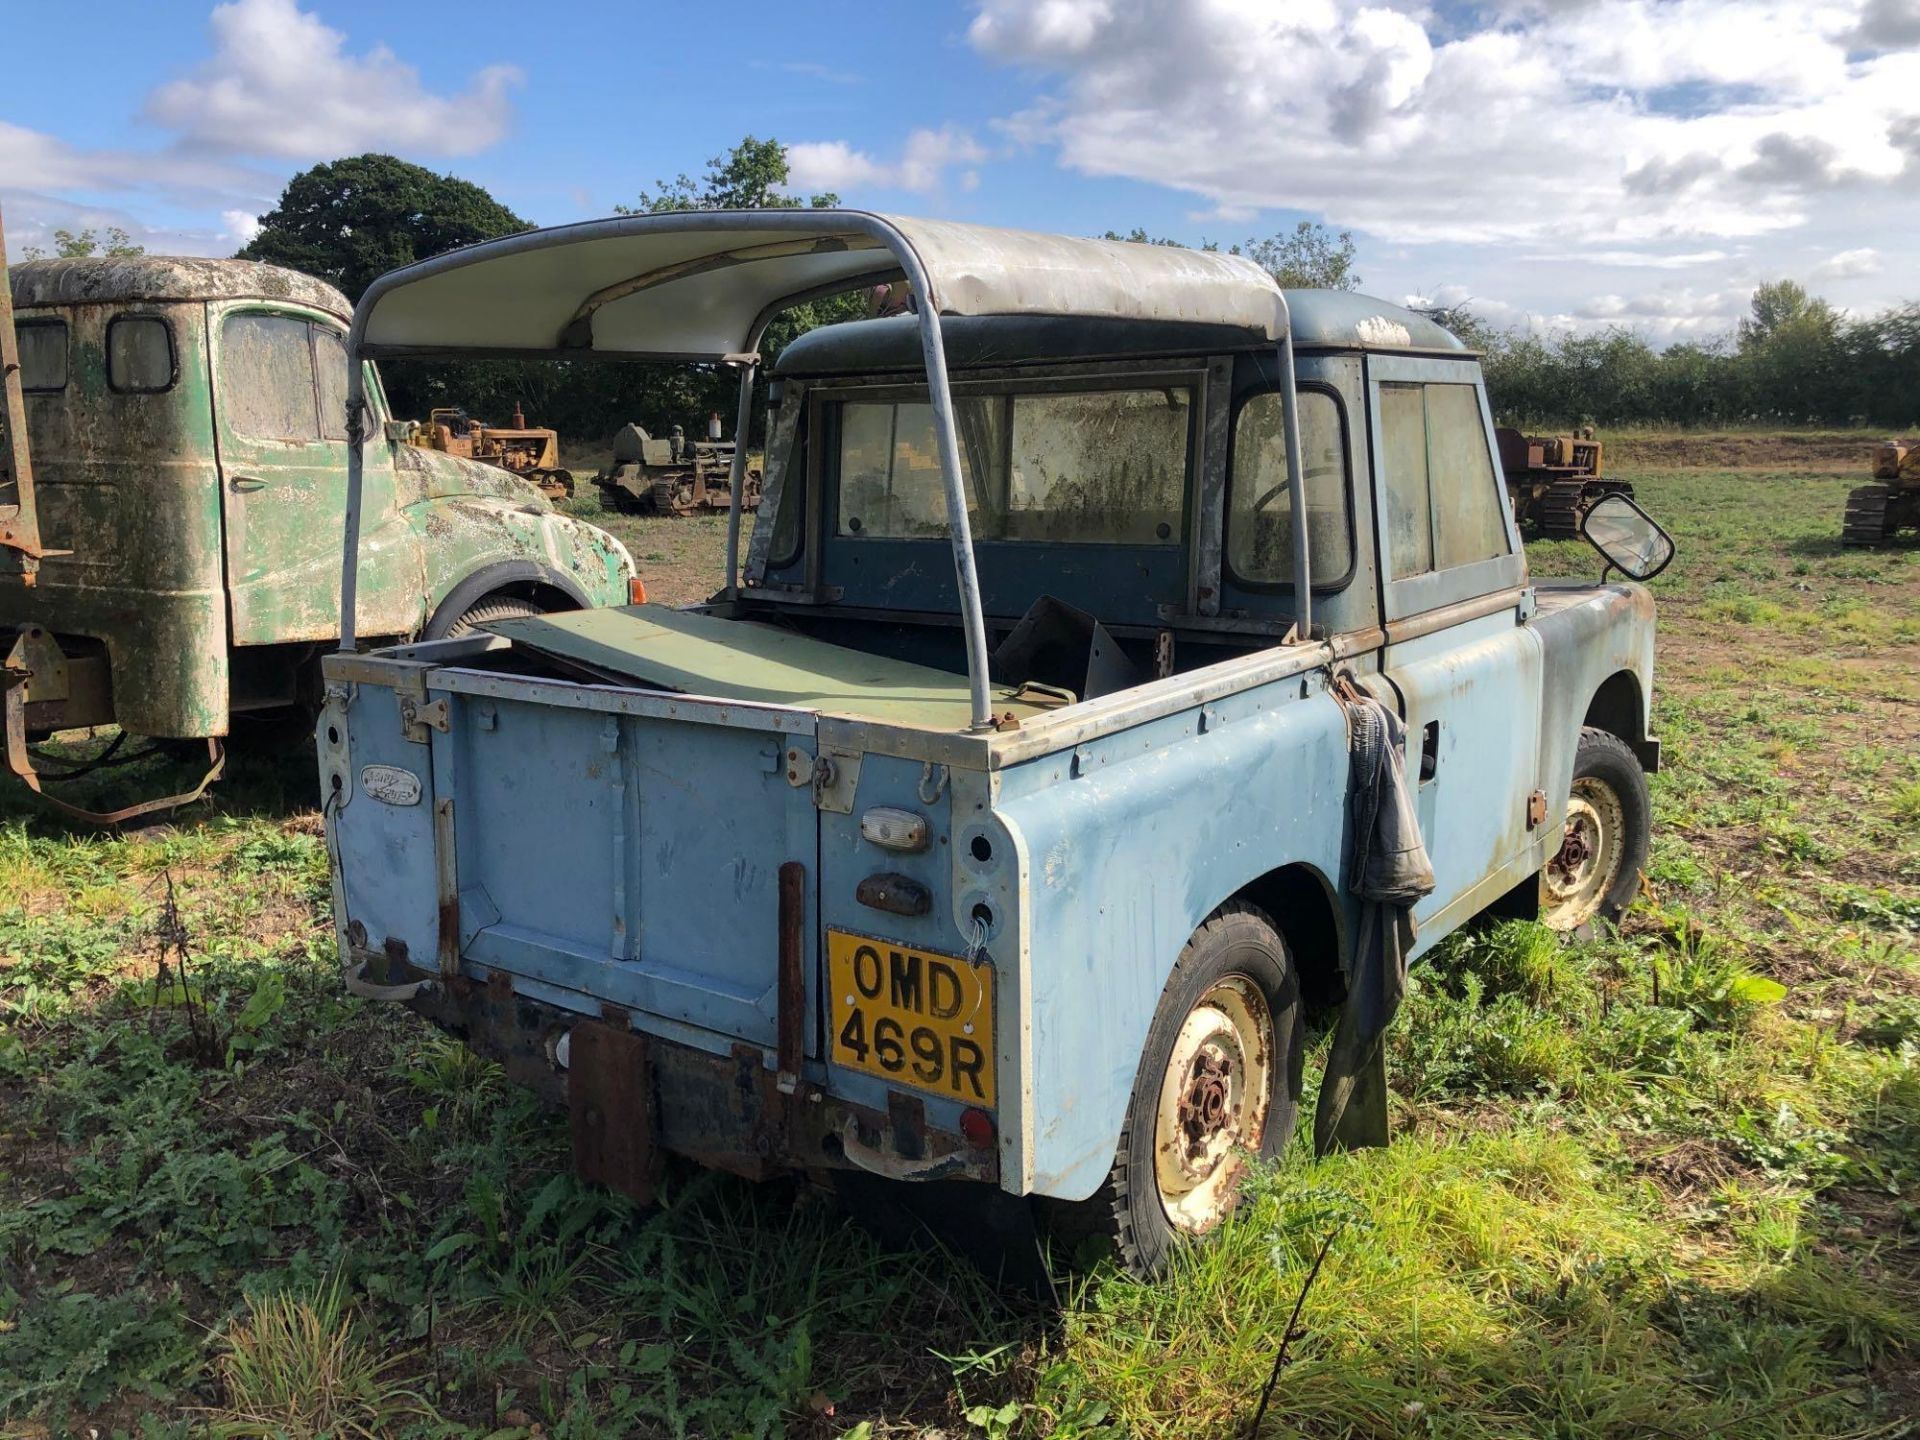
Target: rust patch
<point>610,1108</point>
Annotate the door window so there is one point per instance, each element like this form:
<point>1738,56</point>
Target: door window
<point>43,355</point>
<point>1443,497</point>
<point>266,378</point>
<point>139,354</point>
<point>1468,523</point>
<point>1403,454</point>
<point>1260,503</point>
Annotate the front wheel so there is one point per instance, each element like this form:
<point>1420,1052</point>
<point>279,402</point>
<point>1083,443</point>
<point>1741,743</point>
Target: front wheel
<point>485,611</point>
<point>1603,847</point>
<point>1219,1081</point>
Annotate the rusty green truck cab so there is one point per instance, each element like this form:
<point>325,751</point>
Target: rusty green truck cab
<point>188,431</point>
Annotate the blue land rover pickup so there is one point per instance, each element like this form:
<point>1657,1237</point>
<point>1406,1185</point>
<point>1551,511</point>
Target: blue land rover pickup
<point>991,822</point>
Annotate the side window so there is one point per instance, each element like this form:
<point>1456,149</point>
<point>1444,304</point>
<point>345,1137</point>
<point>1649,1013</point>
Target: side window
<point>1443,498</point>
<point>330,362</point>
<point>1468,525</point>
<point>266,378</point>
<point>1260,505</point>
<point>1403,455</point>
<point>140,357</point>
<point>43,355</point>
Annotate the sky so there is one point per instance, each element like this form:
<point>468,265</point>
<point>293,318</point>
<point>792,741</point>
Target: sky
<point>1553,164</point>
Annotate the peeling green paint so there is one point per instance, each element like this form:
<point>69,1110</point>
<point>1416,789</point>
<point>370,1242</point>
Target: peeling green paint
<point>191,540</point>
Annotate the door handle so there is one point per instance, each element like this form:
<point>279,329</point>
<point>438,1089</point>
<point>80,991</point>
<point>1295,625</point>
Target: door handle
<point>246,484</point>
<point>1429,749</point>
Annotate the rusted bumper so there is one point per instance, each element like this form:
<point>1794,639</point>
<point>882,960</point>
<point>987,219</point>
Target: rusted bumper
<point>633,1097</point>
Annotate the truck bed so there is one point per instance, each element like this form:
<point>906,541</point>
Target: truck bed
<point>699,654</point>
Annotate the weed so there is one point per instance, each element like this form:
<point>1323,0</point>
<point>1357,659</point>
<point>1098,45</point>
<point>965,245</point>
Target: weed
<point>295,1370</point>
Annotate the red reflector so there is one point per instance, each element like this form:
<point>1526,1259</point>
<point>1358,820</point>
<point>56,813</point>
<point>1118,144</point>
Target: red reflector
<point>636,591</point>
<point>977,1126</point>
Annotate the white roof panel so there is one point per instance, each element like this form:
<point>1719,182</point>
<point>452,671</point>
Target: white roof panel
<point>702,284</point>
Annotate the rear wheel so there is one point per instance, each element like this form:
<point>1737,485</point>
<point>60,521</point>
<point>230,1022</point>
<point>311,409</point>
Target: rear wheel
<point>1219,1081</point>
<point>1603,847</point>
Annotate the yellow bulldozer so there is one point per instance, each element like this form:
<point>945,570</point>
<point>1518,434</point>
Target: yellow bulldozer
<point>1553,480</point>
<point>1878,512</point>
<point>529,451</point>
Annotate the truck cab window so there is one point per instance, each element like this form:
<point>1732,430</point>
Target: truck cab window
<point>266,378</point>
<point>1094,466</point>
<point>139,355</point>
<point>330,363</point>
<point>1260,503</point>
<point>1443,499</point>
<point>1468,523</point>
<point>1403,456</point>
<point>43,355</point>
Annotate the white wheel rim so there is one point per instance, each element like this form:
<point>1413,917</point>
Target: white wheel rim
<point>1213,1103</point>
<point>1584,871</point>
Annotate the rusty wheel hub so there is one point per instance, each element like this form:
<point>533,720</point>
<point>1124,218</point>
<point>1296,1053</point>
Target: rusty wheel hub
<point>1203,1109</point>
<point>1583,873</point>
<point>1213,1102</point>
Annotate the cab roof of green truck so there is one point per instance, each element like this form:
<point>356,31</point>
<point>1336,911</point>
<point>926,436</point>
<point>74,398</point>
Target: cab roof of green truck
<point>1321,320</point>
<point>120,279</point>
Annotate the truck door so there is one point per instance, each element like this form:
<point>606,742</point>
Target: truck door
<point>1467,672</point>
<point>280,405</point>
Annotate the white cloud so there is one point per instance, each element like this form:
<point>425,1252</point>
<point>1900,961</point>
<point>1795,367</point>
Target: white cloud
<point>239,226</point>
<point>922,166</point>
<point>1850,265</point>
<point>1629,127</point>
<point>281,83</point>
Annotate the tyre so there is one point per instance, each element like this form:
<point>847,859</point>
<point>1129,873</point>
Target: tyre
<point>1219,1080</point>
<point>483,611</point>
<point>1596,872</point>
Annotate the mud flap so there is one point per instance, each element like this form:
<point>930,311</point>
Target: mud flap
<point>610,1105</point>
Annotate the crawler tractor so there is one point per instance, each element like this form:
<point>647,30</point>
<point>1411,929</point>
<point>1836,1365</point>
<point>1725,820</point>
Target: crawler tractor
<point>1554,480</point>
<point>529,451</point>
<point>1878,512</point>
<point>675,476</point>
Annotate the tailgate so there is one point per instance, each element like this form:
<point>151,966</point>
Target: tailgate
<point>616,847</point>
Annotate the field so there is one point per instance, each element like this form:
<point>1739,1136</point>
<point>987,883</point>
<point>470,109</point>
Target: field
<point>1664,1182</point>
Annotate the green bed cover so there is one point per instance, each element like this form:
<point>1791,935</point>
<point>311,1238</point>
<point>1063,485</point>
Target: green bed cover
<point>742,660</point>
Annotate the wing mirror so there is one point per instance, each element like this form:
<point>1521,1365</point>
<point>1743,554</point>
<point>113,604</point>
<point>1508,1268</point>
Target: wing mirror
<point>1628,539</point>
<point>399,432</point>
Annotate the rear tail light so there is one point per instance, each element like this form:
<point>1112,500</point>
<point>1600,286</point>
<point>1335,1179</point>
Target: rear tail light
<point>636,591</point>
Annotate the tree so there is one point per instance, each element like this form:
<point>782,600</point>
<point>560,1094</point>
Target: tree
<point>352,220</point>
<point>80,244</point>
<point>751,176</point>
<point>1308,257</point>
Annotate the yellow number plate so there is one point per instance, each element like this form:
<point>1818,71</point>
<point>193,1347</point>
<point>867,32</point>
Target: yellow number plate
<point>912,1017</point>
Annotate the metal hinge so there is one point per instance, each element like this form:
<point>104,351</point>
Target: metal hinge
<point>419,716</point>
<point>1536,809</point>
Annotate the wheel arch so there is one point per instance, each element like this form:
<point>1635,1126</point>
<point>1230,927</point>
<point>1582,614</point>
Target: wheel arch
<point>1619,707</point>
<point>1301,902</point>
<point>522,579</point>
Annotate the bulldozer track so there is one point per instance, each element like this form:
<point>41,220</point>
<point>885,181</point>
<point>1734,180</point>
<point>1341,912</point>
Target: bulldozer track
<point>1561,509</point>
<point>1866,519</point>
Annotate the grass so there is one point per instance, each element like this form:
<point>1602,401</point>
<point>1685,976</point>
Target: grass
<point>1665,1182</point>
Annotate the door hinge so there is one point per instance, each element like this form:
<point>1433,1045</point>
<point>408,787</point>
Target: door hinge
<point>1536,809</point>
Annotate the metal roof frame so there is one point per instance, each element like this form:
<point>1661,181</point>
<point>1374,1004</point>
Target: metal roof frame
<point>703,286</point>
